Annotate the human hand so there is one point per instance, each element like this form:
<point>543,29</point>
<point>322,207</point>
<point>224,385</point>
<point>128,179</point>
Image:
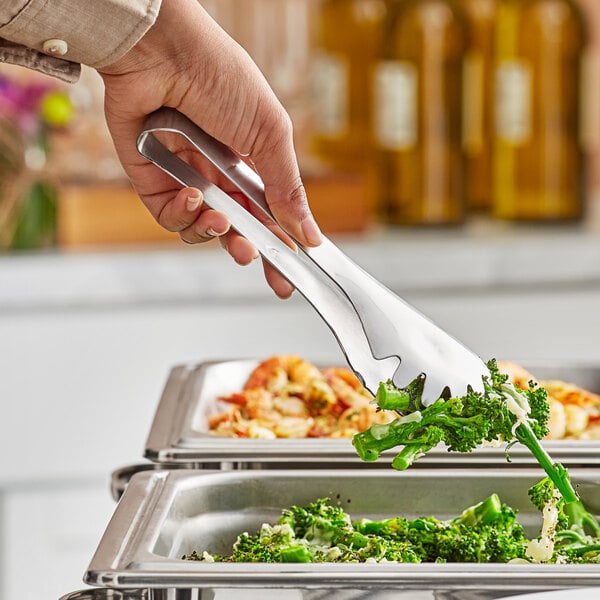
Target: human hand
<point>186,61</point>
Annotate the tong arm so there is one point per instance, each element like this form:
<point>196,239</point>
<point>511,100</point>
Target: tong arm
<point>321,291</point>
<point>381,335</point>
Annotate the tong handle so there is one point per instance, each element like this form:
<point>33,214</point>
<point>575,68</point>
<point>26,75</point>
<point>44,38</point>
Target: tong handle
<point>310,279</point>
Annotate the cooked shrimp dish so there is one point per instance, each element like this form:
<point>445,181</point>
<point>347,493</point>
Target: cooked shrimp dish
<point>288,397</point>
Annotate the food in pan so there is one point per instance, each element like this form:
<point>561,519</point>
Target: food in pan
<point>486,532</point>
<point>574,412</point>
<point>288,397</point>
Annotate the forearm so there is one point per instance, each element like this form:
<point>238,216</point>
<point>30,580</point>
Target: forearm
<point>56,36</point>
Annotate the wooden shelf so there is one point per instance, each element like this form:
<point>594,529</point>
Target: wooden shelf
<point>96,215</point>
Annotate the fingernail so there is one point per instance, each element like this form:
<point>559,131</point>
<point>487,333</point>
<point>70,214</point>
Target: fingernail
<point>285,293</point>
<point>192,203</point>
<point>311,231</point>
<point>215,233</point>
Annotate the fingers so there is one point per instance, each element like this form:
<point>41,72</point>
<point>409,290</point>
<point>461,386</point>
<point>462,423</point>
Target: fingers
<point>186,215</point>
<point>277,282</point>
<point>244,253</point>
<point>240,249</point>
<point>275,161</point>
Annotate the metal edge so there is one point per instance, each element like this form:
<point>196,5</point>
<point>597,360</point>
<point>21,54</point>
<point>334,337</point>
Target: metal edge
<point>165,420</point>
<point>107,594</point>
<point>143,493</point>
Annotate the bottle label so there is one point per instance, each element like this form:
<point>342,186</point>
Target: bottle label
<point>590,100</point>
<point>473,102</point>
<point>330,80</point>
<point>395,119</point>
<point>513,101</point>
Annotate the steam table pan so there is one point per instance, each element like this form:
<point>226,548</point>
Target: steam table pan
<point>180,431</point>
<point>165,514</point>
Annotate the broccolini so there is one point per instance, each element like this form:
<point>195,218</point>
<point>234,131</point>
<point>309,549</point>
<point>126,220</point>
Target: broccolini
<point>500,413</point>
<point>321,532</point>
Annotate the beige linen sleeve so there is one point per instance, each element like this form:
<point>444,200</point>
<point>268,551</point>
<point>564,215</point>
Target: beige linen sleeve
<point>56,36</point>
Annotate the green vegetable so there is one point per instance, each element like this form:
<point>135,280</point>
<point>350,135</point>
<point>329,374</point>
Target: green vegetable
<point>577,531</point>
<point>485,532</point>
<point>461,423</point>
<point>321,532</point>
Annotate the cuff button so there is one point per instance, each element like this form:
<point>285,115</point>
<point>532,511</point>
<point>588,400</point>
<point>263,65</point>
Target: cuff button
<point>55,47</point>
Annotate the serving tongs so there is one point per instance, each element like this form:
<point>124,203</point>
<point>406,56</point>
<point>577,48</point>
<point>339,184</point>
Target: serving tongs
<point>381,336</point>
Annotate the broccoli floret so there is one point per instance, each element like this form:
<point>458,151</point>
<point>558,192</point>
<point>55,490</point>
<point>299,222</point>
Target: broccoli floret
<point>318,520</point>
<point>577,537</point>
<point>485,532</point>
<point>461,423</point>
<point>272,544</point>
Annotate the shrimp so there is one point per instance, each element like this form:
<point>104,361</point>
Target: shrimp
<point>277,372</point>
<point>577,420</point>
<point>517,375</point>
<point>293,427</point>
<point>259,404</point>
<point>569,393</point>
<point>290,407</point>
<point>557,423</point>
<point>356,419</point>
<point>260,432</point>
<point>347,387</point>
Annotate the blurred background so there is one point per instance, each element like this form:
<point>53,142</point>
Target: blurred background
<point>451,147</point>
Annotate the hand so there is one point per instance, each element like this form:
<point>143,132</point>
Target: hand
<point>186,61</point>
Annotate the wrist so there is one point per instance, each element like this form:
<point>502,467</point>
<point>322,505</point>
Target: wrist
<point>162,41</point>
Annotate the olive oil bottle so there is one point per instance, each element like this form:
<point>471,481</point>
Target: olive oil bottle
<point>418,168</point>
<point>538,157</point>
<point>478,97</point>
<point>348,35</point>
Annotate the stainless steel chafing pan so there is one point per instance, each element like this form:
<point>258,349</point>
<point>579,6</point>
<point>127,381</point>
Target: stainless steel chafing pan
<point>164,514</point>
<point>586,593</point>
<point>180,431</point>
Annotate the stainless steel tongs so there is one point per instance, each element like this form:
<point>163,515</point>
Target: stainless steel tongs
<point>381,335</point>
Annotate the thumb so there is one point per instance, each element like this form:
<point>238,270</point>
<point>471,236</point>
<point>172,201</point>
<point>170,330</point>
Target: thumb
<point>274,159</point>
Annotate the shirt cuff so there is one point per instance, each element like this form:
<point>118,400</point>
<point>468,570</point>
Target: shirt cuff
<point>49,65</point>
<point>95,33</point>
